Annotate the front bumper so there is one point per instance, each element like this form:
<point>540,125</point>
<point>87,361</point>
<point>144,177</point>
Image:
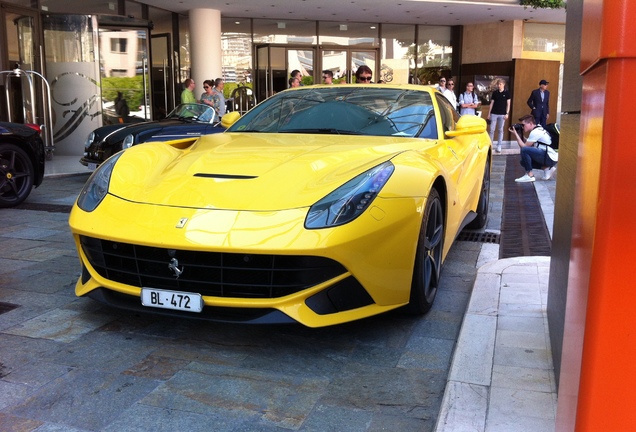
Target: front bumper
<point>374,254</point>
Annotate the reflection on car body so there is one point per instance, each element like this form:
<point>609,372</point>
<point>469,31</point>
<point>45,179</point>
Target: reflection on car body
<point>321,205</point>
<point>185,121</point>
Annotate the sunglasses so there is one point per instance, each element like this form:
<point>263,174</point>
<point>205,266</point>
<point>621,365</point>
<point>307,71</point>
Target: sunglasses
<point>364,78</point>
<point>451,84</point>
<point>206,86</point>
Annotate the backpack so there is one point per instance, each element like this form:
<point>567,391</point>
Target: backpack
<point>555,133</point>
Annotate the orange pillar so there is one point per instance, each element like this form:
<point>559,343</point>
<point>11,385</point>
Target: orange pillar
<point>597,390</point>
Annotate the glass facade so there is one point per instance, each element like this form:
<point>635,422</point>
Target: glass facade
<point>434,53</point>
<point>543,41</point>
<point>398,53</point>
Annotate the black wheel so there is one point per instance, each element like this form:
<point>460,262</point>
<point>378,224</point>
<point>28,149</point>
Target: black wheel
<point>16,175</point>
<point>484,201</point>
<point>428,259</point>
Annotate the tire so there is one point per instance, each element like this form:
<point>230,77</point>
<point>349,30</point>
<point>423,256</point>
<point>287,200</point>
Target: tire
<point>484,201</point>
<point>16,175</point>
<point>428,258</point>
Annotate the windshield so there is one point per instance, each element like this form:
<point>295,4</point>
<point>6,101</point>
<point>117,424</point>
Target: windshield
<point>192,111</point>
<point>344,110</point>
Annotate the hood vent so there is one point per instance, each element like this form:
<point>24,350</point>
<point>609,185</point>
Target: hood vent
<point>225,176</point>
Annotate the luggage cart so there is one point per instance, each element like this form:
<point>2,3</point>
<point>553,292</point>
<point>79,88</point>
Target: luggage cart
<point>47,126</point>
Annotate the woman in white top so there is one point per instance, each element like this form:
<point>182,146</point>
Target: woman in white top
<point>468,101</point>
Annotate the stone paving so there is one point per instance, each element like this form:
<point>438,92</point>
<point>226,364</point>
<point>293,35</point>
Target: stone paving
<point>70,364</point>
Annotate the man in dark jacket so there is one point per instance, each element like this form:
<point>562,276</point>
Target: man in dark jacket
<point>539,102</point>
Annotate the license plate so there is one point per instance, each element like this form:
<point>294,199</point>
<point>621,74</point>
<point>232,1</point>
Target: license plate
<point>175,300</point>
<point>92,166</point>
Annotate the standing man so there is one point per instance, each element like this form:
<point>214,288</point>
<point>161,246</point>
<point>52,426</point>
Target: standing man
<point>218,98</point>
<point>448,94</point>
<point>498,111</point>
<point>296,74</point>
<point>187,95</point>
<point>327,77</point>
<point>539,102</point>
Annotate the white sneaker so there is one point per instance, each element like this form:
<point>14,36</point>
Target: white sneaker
<point>549,172</point>
<point>498,149</point>
<point>525,179</point>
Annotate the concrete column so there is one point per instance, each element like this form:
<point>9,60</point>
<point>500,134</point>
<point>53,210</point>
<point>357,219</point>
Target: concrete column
<point>205,45</point>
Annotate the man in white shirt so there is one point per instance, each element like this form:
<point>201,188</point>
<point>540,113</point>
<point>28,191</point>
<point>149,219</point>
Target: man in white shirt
<point>536,151</point>
<point>450,95</point>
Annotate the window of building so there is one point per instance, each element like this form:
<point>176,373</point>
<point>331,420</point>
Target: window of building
<point>543,41</point>
<point>118,45</point>
<point>434,53</point>
<point>185,65</point>
<point>398,53</point>
<point>284,32</point>
<point>236,45</point>
<point>348,33</point>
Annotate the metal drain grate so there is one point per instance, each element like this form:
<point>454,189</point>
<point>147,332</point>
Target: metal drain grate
<point>51,208</point>
<point>479,237</point>
<point>6,307</point>
<point>523,229</point>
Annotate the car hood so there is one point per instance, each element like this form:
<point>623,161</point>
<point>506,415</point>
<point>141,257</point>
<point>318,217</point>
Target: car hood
<point>242,171</point>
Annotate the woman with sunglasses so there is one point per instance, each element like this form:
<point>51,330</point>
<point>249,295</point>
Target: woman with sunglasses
<point>207,95</point>
<point>364,74</point>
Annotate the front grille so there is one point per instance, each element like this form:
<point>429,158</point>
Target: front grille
<point>218,274</point>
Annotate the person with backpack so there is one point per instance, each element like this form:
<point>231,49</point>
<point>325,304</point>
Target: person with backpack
<point>536,150</point>
<point>468,101</point>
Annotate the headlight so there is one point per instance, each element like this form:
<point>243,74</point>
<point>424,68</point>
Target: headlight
<point>351,199</point>
<point>89,140</point>
<point>96,187</point>
<point>128,142</point>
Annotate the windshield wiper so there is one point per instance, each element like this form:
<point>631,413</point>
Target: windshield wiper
<point>321,131</point>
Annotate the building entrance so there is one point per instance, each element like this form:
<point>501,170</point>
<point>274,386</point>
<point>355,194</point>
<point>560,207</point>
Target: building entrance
<point>273,65</point>
<point>93,62</point>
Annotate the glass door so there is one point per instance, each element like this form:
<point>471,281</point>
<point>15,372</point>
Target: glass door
<point>274,65</point>
<point>22,48</point>
<point>125,80</point>
<point>271,71</point>
<point>344,63</point>
<point>163,81</point>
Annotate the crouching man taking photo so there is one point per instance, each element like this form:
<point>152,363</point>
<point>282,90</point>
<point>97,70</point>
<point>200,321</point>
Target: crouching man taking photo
<point>536,151</point>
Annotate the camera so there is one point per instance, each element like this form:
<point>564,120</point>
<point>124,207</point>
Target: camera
<point>518,127</point>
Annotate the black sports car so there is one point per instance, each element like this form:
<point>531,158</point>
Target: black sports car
<point>185,121</point>
<point>22,158</point>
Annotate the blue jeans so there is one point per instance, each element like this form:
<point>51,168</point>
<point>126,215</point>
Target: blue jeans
<point>496,120</point>
<point>533,157</point>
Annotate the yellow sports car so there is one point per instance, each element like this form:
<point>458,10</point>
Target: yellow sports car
<point>321,205</point>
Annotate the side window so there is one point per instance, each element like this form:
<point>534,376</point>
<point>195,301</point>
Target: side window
<point>449,116</point>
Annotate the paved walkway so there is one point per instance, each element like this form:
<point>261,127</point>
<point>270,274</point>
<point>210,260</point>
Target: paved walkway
<point>502,377</point>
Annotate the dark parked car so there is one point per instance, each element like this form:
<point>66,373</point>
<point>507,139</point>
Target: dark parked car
<point>22,158</point>
<point>185,121</point>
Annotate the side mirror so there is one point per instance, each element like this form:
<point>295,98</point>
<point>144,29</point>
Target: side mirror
<point>229,119</point>
<point>468,125</point>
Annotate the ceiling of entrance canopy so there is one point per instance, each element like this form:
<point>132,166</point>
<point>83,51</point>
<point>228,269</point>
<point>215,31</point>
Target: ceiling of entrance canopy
<point>427,12</point>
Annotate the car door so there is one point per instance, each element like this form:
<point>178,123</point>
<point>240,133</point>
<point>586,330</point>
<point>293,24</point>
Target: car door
<point>465,150</point>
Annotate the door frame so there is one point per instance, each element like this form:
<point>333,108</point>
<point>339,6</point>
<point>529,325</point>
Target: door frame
<point>264,85</point>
